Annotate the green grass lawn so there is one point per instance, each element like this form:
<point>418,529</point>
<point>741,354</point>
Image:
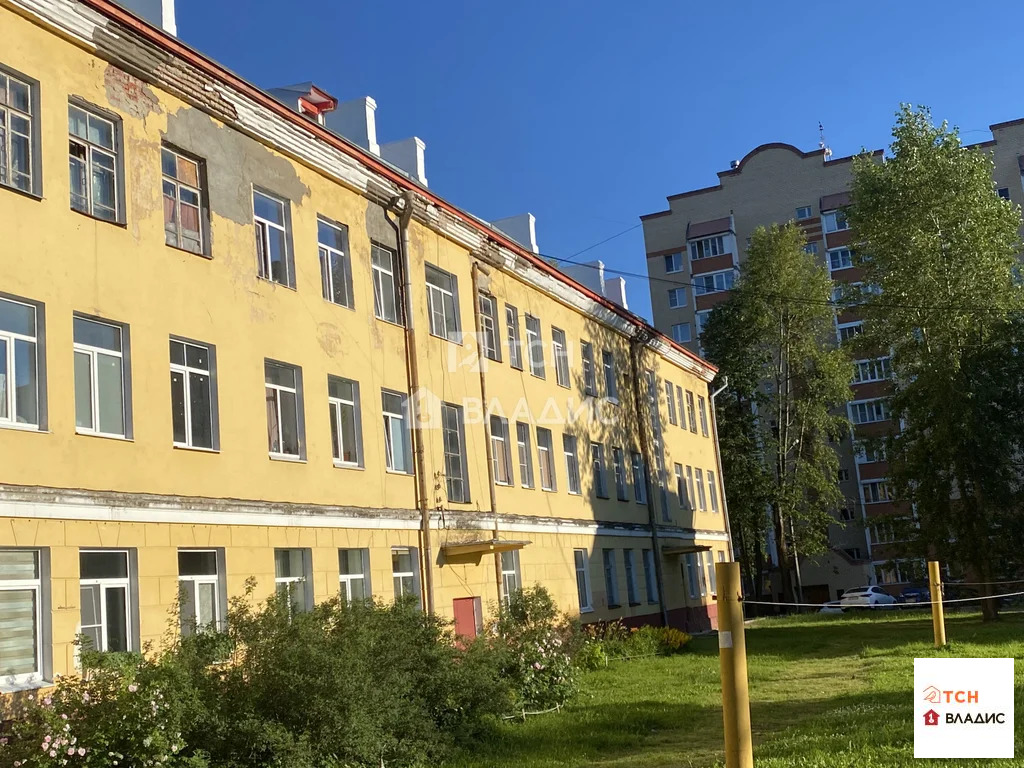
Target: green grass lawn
<point>825,691</point>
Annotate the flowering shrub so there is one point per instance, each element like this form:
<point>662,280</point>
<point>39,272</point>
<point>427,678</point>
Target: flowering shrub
<point>117,715</point>
<point>614,640</point>
<point>673,640</point>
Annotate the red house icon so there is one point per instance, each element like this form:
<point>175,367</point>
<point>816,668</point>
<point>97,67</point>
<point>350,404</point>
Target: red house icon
<point>931,717</point>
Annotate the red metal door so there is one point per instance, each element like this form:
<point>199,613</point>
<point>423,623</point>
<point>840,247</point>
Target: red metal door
<point>467,615</point>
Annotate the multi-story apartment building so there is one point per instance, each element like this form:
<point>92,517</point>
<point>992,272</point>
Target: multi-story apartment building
<point>236,345</point>
<point>695,250</point>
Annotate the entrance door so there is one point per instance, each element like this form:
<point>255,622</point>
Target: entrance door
<point>468,617</point>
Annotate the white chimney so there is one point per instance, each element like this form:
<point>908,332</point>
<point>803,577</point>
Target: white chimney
<point>521,228</point>
<point>159,13</point>
<point>591,275</point>
<point>408,155</point>
<point>356,120</point>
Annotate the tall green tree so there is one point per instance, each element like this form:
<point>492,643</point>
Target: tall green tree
<point>943,248</point>
<point>775,342</point>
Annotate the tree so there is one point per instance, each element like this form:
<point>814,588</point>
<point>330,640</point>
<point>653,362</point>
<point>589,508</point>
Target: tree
<point>943,247</point>
<point>775,342</point>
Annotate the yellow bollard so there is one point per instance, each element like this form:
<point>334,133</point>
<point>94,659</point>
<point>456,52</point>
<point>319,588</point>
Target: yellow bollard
<point>935,592</point>
<point>732,656</point>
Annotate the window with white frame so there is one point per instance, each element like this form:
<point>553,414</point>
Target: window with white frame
<point>709,564</point>
<point>681,333</point>
<point>572,463</point>
<point>713,491</point>
<point>93,144</point>
<point>293,572</point>
<point>19,137</point>
<point>582,562</point>
<point>619,468</point>
<point>695,576</point>
<point>546,459</point>
<point>611,386</point>
<point>676,298</point>
<point>405,572</point>
<point>680,406</point>
<point>883,532</point>
<point>589,373</point>
<point>834,221</point>
<point>443,304</point>
<point>876,491</point>
<point>101,378</point>
<point>611,578</point>
<point>192,394</point>
<point>501,452</point>
<point>455,471</point>
<point>181,183</point>
<point>629,561</point>
<point>535,346</point>
<point>713,282</point>
<point>561,355</point>
<point>525,455</point>
<point>106,581</point>
<point>848,331</point>
<point>639,482</point>
<point>690,488</point>
<point>335,262</point>
<point>702,409</point>
<point>691,412</point>
<point>673,262</point>
<point>24,601</point>
<point>803,212</point>
<point>21,364</point>
<point>397,453</point>
<point>671,401</point>
<point>273,250</point>
<point>869,451</point>
<point>386,304</point>
<point>650,576</point>
<point>489,327</point>
<point>707,247</point>
<point>597,466</point>
<point>201,586</point>
<point>877,369</point>
<point>354,574</point>
<point>811,248</point>
<point>701,320</point>
<point>839,258</point>
<point>869,411</point>
<point>284,409</point>
<point>702,499</point>
<point>684,499</point>
<point>515,344</point>
<point>346,421</point>
<point>511,576</point>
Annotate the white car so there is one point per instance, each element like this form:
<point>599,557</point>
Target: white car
<point>870,597</point>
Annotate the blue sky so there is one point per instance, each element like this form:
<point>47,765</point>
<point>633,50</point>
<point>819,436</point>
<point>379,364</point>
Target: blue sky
<point>588,114</point>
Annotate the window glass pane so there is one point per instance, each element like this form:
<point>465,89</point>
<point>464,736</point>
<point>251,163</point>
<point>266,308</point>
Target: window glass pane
<point>273,435</point>
<point>19,632</point>
<point>359,589</point>
<point>197,356</point>
<point>83,390</point>
<point>289,424</point>
<point>91,616</point>
<point>4,379</point>
<point>278,256</point>
<point>350,562</point>
<point>207,613</point>
<point>77,121</point>
<point>95,334</point>
<point>188,171</point>
<point>349,446</point>
<point>19,565</point>
<point>197,563</point>
<point>331,236</point>
<point>17,318</point>
<point>111,395</point>
<point>288,563</point>
<point>340,388</point>
<point>401,560</point>
<point>281,375</point>
<point>103,565</point>
<point>116,599</point>
<point>177,352</point>
<point>268,208</point>
<point>101,132</point>
<point>178,407</point>
<point>19,95</point>
<point>202,410</point>
<point>167,162</point>
<point>339,272</point>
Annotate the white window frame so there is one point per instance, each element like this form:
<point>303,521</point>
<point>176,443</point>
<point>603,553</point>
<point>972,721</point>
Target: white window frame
<point>535,346</point>
<point>674,302</point>
<point>391,418</point>
<point>546,458</point>
<point>619,469</point>
<point>611,385</point>
<point>489,339</point>
<point>636,463</point>
<point>525,453</point>
<point>670,391</point>
<point>581,562</point>
<point>714,282</point>
<point>804,212</point>
<point>650,577</point>
<point>560,352</point>
<point>511,574</point>
<point>93,150</point>
<point>691,490</point>
<point>872,369</point>
<point>264,263</point>
<point>384,278</point>
<point>691,412</point>
<point>599,475</point>
<point>192,583</point>
<point>443,304</point>
<point>94,389</point>
<point>844,256</point>
<point>611,578</point>
<point>673,262</point>
<point>680,407</point>
<point>589,369</point>
<point>336,405</point>
<point>501,450</point>
<point>841,327</point>
<point>702,499</point>
<point>515,343</point>
<point>834,221</point>
<point>881,493</point>
<point>106,583</point>
<point>327,254</point>
<point>713,490</point>
<point>7,110</point>
<point>629,564</point>
<point>864,455</point>
<point>178,185</point>
<point>678,335</point>
<point>285,583</point>
<point>700,320</point>
<point>277,390</point>
<point>11,339</point>
<point>684,498</point>
<point>706,247</point>
<point>39,586</point>
<point>869,411</point>
<point>398,577</point>
<point>456,466</point>
<point>572,464</point>
<point>185,370</point>
<point>345,579</point>
<point>702,410</point>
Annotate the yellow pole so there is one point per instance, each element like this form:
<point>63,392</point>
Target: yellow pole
<point>935,591</point>
<point>732,656</point>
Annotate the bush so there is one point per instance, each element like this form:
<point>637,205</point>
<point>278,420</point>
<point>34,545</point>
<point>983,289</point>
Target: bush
<point>614,640</point>
<point>536,644</point>
<point>673,640</point>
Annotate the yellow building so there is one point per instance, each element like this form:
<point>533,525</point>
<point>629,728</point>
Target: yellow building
<point>235,345</point>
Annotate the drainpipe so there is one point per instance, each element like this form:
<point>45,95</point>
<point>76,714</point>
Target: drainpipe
<point>718,463</point>
<point>637,342</point>
<point>480,278</point>
<point>404,206</point>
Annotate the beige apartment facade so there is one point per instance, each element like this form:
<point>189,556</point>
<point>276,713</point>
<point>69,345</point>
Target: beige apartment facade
<point>695,250</point>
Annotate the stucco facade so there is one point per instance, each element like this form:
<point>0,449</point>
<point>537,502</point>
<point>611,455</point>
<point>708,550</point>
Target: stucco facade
<point>69,488</point>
